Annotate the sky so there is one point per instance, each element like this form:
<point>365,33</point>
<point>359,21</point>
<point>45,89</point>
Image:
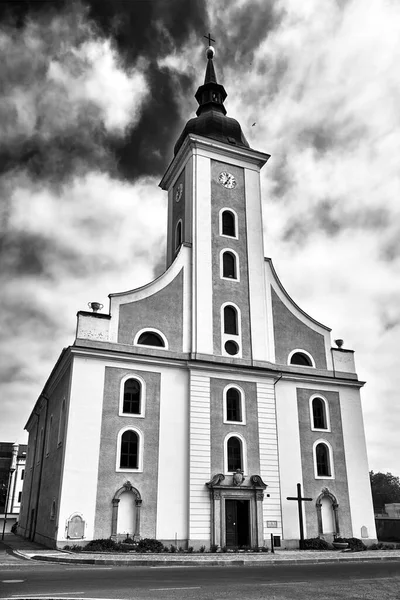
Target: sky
<point>94,97</point>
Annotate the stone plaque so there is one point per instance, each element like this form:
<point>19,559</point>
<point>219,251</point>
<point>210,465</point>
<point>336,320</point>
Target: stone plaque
<point>364,532</point>
<point>76,528</point>
<point>271,524</point>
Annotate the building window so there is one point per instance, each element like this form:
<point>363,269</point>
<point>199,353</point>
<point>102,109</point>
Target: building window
<point>178,234</point>
<point>151,338</point>
<point>129,450</point>
<point>61,424</point>
<point>22,474</point>
<point>319,414</point>
<point>301,358</point>
<point>234,454</point>
<point>19,496</point>
<point>132,397</point>
<point>229,270</point>
<point>323,460</point>
<point>53,510</point>
<point>233,405</point>
<point>48,435</point>
<point>39,447</point>
<point>230,320</point>
<point>228,223</point>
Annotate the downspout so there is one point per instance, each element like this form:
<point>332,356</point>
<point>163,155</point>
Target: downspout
<point>41,463</point>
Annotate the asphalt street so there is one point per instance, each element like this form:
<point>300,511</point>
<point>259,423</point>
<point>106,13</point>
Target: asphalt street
<point>351,581</point>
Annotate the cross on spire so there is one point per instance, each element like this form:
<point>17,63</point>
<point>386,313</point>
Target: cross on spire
<point>209,38</point>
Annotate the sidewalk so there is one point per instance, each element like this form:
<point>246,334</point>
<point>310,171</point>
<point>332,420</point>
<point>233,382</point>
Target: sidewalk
<point>31,550</point>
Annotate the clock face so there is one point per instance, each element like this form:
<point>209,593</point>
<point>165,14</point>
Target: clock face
<point>179,192</point>
<point>227,180</point>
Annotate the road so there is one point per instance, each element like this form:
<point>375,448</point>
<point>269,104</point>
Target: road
<point>367,581</point>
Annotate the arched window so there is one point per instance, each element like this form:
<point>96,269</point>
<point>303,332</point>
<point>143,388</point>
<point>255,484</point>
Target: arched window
<point>233,405</point>
<point>230,320</point>
<point>229,265</point>
<point>149,338</point>
<point>323,460</point>
<point>178,235</point>
<point>234,454</point>
<point>132,397</point>
<point>301,359</point>
<point>319,414</point>
<point>129,450</point>
<point>228,223</point>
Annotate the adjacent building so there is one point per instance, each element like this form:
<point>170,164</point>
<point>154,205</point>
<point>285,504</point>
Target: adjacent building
<point>192,409</point>
<point>12,473</point>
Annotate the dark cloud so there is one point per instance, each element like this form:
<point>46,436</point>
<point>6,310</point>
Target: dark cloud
<point>280,176</point>
<point>327,136</point>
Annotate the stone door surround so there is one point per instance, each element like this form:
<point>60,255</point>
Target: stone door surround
<point>127,487</point>
<point>219,493</point>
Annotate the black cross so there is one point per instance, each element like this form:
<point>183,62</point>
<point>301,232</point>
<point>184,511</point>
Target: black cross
<point>299,500</point>
<point>209,38</point>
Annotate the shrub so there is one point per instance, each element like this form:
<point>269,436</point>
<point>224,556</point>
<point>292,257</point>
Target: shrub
<point>202,549</point>
<point>213,548</point>
<point>129,540</point>
<point>14,527</point>
<point>315,544</point>
<point>355,544</point>
<point>149,545</point>
<point>190,549</point>
<point>102,545</point>
<point>172,548</point>
<point>224,549</point>
<point>264,549</point>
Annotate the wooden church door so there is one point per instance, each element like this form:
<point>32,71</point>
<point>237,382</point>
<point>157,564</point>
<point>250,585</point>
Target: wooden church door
<point>237,526</point>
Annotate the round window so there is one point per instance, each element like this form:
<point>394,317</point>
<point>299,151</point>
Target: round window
<point>231,348</point>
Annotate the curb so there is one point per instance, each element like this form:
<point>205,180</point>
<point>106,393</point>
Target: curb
<point>211,563</point>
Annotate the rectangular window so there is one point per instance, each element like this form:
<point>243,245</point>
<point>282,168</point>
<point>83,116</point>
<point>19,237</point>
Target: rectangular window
<point>19,496</point>
<point>22,473</point>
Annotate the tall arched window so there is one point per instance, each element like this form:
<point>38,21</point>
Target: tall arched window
<point>229,265</point>
<point>132,397</point>
<point>233,405</point>
<point>129,450</point>
<point>230,320</point>
<point>319,414</point>
<point>323,460</point>
<point>235,454</point>
<point>178,235</point>
<point>149,338</point>
<point>228,223</point>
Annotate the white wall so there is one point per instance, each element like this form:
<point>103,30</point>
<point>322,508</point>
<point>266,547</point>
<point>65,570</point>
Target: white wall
<point>173,466</point>
<point>289,456</point>
<point>82,443</point>
<point>361,507</point>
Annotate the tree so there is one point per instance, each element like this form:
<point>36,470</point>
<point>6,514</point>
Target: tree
<point>385,489</point>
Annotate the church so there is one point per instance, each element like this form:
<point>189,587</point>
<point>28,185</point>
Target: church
<point>194,409</point>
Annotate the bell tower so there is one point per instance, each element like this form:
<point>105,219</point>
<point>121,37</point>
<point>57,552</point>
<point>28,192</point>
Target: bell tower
<point>214,205</point>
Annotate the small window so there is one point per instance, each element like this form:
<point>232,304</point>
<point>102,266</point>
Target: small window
<point>228,223</point>
<point>61,425</point>
<point>48,435</point>
<point>230,320</point>
<point>229,265</point>
<point>234,450</point>
<point>319,415</point>
<point>233,405</point>
<point>301,359</point>
<point>22,473</point>
<point>129,450</point>
<point>19,496</point>
<point>132,397</point>
<point>53,510</point>
<point>149,338</point>
<point>178,235</point>
<point>322,460</point>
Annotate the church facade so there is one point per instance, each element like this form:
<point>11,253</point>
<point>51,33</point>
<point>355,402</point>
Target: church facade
<point>193,408</point>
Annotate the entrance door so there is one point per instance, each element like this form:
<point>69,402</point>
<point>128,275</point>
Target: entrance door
<point>237,523</point>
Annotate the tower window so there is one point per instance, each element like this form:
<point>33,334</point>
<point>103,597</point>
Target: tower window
<point>178,234</point>
<point>132,397</point>
<point>323,460</point>
<point>149,338</point>
<point>230,320</point>
<point>229,265</point>
<point>319,414</point>
<point>301,359</point>
<point>228,223</point>
<point>233,405</point>
<point>129,450</point>
<point>234,451</point>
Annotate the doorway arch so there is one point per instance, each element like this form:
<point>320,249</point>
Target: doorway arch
<point>327,514</point>
<point>126,505</point>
